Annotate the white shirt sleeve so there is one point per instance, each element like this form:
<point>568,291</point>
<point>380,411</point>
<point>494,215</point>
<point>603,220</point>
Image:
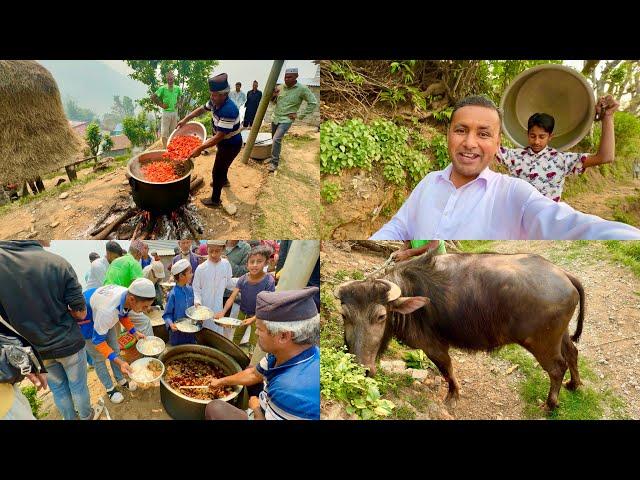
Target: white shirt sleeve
<point>230,284</point>
<point>544,219</point>
<point>197,286</point>
<point>400,226</point>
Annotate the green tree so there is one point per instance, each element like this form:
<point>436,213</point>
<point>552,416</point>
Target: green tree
<point>107,144</point>
<point>190,75</point>
<point>122,108</point>
<point>77,113</point>
<point>138,130</point>
<point>95,139</point>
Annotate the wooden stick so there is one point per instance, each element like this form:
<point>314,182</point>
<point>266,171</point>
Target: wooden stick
<point>197,183</point>
<point>109,228</point>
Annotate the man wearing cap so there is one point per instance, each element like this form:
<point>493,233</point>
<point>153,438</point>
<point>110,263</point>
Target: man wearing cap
<point>238,96</point>
<point>209,282</point>
<point>288,100</point>
<point>288,327</point>
<point>179,299</point>
<point>226,134</point>
<point>167,97</point>
<point>186,254</point>
<point>99,267</point>
<point>155,273</point>
<point>113,304</point>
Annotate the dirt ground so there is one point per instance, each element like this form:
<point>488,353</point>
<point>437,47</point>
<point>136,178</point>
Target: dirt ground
<point>489,384</point>
<point>251,187</point>
<point>602,203</point>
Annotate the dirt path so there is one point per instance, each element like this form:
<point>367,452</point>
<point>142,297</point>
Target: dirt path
<point>75,216</point>
<point>610,340</point>
<point>289,204</point>
<point>601,203</point>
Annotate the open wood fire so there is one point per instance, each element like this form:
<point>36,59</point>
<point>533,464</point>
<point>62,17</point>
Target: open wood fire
<point>127,221</point>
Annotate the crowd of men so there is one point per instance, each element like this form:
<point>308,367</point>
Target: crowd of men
<point>60,327</point>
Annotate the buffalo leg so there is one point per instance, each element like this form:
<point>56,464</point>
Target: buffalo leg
<point>554,364</point>
<point>439,355</point>
<point>570,354</point>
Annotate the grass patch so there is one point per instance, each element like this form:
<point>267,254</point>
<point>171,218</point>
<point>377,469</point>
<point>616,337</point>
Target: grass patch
<point>587,403</point>
<point>403,413</point>
<point>476,246</point>
<point>625,252</point>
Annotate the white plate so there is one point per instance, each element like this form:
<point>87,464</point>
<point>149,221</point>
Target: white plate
<point>187,327</point>
<point>228,321</point>
<point>144,362</point>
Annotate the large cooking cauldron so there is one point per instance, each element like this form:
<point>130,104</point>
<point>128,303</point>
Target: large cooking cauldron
<point>181,407</point>
<point>157,198</point>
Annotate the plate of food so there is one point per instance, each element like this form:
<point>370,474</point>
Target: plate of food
<point>147,370</point>
<point>199,313</point>
<point>188,325</point>
<point>150,346</point>
<point>228,321</point>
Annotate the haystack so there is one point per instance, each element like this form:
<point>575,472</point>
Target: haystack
<point>35,137</point>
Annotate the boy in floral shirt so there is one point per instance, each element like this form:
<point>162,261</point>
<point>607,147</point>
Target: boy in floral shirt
<point>546,168</point>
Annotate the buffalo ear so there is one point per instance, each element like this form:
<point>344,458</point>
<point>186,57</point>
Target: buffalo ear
<point>406,305</point>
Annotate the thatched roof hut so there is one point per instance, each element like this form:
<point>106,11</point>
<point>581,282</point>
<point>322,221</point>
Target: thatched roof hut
<point>35,136</point>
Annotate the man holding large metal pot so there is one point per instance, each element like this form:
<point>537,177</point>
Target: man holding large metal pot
<point>469,201</point>
<point>546,168</point>
<point>226,135</point>
<point>288,327</point>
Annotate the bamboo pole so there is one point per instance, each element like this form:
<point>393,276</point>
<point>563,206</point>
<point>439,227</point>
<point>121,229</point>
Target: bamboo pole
<point>262,108</point>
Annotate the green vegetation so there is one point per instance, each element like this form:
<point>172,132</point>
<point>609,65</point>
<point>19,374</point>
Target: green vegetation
<point>398,151</point>
<point>342,379</point>
<point>476,246</point>
<point>330,192</point>
<point>36,403</point>
<point>589,402</point>
<point>627,253</point>
<point>418,359</point>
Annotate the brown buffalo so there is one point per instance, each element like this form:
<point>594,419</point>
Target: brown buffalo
<point>470,301</point>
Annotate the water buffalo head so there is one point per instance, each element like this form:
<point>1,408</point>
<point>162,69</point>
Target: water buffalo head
<point>366,309</point>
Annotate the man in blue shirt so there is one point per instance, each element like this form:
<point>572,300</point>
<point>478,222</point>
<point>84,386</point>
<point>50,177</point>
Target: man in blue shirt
<point>288,327</point>
<point>226,134</point>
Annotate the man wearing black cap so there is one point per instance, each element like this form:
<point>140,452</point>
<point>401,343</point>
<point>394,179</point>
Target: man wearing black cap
<point>226,135</point>
<point>288,327</point>
<point>99,267</point>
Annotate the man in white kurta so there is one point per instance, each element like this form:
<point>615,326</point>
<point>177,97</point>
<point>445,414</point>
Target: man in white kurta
<point>209,282</point>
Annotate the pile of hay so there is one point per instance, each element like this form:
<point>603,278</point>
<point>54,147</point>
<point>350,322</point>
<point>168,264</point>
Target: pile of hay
<point>35,136</point>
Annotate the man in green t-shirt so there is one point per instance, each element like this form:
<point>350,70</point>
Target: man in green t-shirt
<point>167,97</point>
<point>414,248</point>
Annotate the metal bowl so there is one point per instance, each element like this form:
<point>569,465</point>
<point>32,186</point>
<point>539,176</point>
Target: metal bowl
<point>189,313</point>
<point>195,129</point>
<point>144,361</point>
<point>228,322</point>
<point>188,321</point>
<point>144,340</point>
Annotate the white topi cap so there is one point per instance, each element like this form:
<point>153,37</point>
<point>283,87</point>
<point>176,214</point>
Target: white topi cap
<point>143,287</point>
<point>217,243</point>
<point>291,70</point>
<point>180,266</point>
<point>157,268</point>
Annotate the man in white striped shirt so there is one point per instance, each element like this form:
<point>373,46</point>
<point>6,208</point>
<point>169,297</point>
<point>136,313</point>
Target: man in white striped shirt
<point>288,327</point>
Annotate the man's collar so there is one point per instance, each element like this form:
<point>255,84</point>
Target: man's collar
<point>545,150</point>
<point>486,175</point>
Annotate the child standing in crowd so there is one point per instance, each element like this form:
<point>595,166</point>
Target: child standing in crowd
<point>249,285</point>
<point>179,299</point>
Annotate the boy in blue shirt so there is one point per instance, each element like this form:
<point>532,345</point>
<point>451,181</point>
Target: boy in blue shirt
<point>179,299</point>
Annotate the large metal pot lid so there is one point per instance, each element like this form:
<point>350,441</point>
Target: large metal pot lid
<point>215,340</point>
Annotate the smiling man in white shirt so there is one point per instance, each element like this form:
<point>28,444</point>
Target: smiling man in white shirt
<point>468,201</point>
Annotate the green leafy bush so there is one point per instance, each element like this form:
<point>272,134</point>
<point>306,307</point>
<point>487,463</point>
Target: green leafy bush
<point>330,192</point>
<point>354,144</point>
<point>342,379</point>
<point>32,395</point>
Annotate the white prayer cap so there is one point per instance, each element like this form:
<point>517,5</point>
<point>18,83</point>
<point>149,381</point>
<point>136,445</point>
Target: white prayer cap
<point>156,267</point>
<point>142,287</point>
<point>180,266</point>
<point>291,70</point>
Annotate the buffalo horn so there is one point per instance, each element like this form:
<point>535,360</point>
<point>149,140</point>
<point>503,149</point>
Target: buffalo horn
<point>394,292</point>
